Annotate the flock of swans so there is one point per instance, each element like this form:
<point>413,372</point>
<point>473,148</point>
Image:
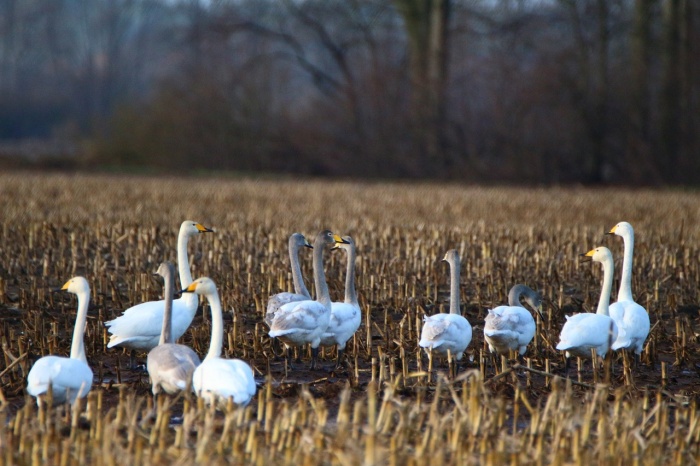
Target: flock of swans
<point>296,320</point>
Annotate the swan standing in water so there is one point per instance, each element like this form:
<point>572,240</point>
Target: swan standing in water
<point>631,318</point>
<point>586,330</point>
<point>346,316</point>
<point>139,327</point>
<point>217,379</point>
<point>170,366</point>
<point>512,327</point>
<point>71,377</point>
<point>302,322</point>
<point>301,293</point>
<point>443,332</point>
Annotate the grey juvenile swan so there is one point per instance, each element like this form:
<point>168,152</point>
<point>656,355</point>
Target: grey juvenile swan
<point>170,366</point>
<point>301,293</point>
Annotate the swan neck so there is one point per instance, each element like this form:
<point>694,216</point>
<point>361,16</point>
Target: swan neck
<point>322,294</point>
<point>77,349</point>
<point>183,263</point>
<point>625,292</point>
<point>166,335</point>
<point>217,326</point>
<point>604,302</point>
<point>299,285</point>
<point>514,295</point>
<point>454,287</point>
<point>350,292</point>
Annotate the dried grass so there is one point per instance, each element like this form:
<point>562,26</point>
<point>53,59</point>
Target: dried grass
<point>393,405</point>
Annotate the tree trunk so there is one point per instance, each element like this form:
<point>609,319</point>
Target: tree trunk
<point>641,66</point>
<point>670,97</point>
<point>426,24</point>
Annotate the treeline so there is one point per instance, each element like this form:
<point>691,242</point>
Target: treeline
<point>558,91</point>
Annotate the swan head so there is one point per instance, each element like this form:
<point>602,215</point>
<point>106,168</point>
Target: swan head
<point>327,238</point>
<point>165,270</point>
<point>76,285</point>
<point>191,228</point>
<point>599,254</point>
<point>201,286</point>
<point>621,229</point>
<point>298,241</point>
<point>451,257</point>
<point>348,243</point>
<point>534,299</point>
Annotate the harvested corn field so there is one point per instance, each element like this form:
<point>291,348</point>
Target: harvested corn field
<point>391,403</point>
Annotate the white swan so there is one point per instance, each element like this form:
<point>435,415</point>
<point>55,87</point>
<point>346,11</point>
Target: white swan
<point>139,327</point>
<point>170,366</point>
<point>512,327</point>
<point>443,332</point>
<point>302,322</point>
<point>217,380</point>
<point>586,330</point>
<point>69,378</point>
<point>301,293</point>
<point>346,316</point>
<point>629,316</point>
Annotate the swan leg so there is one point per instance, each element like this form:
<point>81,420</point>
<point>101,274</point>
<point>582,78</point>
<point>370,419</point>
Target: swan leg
<point>314,357</point>
<point>276,347</point>
<point>155,404</point>
<point>289,356</point>
<point>339,361</point>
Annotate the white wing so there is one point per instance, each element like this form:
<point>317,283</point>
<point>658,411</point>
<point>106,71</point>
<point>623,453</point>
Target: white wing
<point>139,326</point>
<point>279,300</point>
<point>344,321</point>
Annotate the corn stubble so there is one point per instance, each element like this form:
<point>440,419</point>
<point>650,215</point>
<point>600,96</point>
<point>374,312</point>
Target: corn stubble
<point>392,404</point>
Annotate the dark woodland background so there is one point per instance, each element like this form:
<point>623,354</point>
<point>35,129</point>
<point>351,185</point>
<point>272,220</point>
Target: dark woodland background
<point>498,91</point>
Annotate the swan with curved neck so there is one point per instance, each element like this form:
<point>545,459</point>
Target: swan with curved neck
<point>585,331</point>
<point>170,366</point>
<point>512,327</point>
<point>448,332</point>
<point>631,318</point>
<point>301,293</point>
<point>139,327</point>
<point>346,316</point>
<point>302,322</point>
<point>217,380</point>
<point>69,378</point>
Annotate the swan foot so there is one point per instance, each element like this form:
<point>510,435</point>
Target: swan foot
<point>135,366</point>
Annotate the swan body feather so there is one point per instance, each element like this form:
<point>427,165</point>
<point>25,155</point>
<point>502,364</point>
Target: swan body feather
<point>69,378</point>
<point>216,380</point>
<point>446,332</point>
<point>509,328</point>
